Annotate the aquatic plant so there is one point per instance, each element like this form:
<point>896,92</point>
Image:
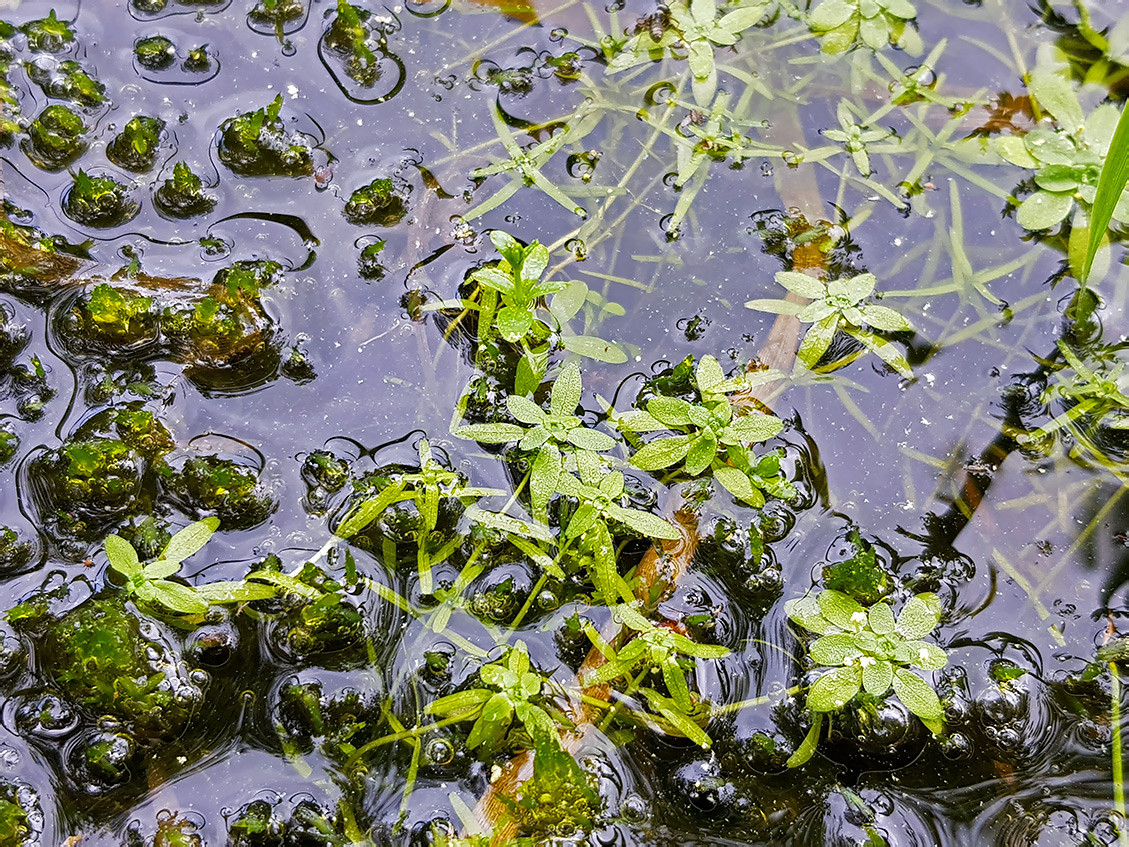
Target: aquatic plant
<point>838,304</point>
<point>257,144</point>
<point>352,38</point>
<point>49,34</point>
<point>713,434</point>
<point>99,201</point>
<point>182,195</point>
<point>841,24</point>
<point>868,649</point>
<point>382,202</point>
<point>56,138</point>
<point>1067,159</point>
<point>135,147</point>
<point>154,52</point>
<point>68,80</point>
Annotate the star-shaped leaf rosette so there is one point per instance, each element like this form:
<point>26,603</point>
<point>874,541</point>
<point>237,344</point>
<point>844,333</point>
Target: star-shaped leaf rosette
<point>713,434</point>
<point>838,305</point>
<point>868,649</point>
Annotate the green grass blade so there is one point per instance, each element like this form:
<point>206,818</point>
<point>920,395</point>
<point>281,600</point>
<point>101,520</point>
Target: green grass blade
<point>1113,179</point>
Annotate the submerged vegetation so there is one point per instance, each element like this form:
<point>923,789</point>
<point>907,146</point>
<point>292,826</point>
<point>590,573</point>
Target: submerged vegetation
<point>543,538</point>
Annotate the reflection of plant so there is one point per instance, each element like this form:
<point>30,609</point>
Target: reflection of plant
<point>840,24</point>
<point>838,305</point>
<point>713,435</point>
<point>1067,160</point>
<point>867,649</point>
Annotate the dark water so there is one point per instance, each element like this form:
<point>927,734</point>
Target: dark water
<point>1031,575</point>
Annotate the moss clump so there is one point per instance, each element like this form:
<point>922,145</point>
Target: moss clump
<point>110,316</point>
<point>56,138</point>
<point>101,662</point>
<point>15,824</point>
<point>277,13</point>
<point>211,485</point>
<point>154,53</point>
<point>48,35</point>
<point>369,265</point>
<point>198,59</point>
<point>352,41</point>
<point>89,483</point>
<point>135,147</point>
<point>255,826</point>
<point>15,554</point>
<point>860,576</point>
<point>9,444</point>
<point>68,80</point>
<point>182,196</point>
<point>137,427</point>
<point>257,144</point>
<point>381,203</point>
<point>99,201</point>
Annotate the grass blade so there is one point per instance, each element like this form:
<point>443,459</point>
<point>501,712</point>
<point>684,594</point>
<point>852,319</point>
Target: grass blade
<point>1113,179</point>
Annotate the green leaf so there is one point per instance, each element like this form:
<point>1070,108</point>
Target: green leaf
<point>1013,150</point>
<point>460,703</point>
<point>565,304</point>
<point>918,696</point>
<point>491,433</point>
<point>834,650</point>
<point>594,348</point>
<point>842,610</point>
<point>122,556</point>
<point>880,317</point>
<point>661,453</point>
<point>689,647</point>
<point>287,583</point>
<point>178,598</point>
<point>835,689</point>
<point>672,411</point>
<point>755,426</point>
<point>817,340</point>
<point>543,477</point>
<point>1055,94</point>
<point>922,654</point>
<point>919,616</point>
<point>1111,187</point>
<point>514,322</point>
<point>737,482</point>
<point>677,719</point>
<point>1050,147</point>
<point>708,374</point>
<point>492,724</point>
<point>644,523</point>
<point>830,14</point>
<point>808,746</point>
<point>776,307</point>
<point>525,410</point>
<point>676,684</point>
<point>505,523</point>
<point>881,619</point>
<point>566,393</point>
<point>877,677</point>
<point>362,514</point>
<point>1058,178</point>
<point>805,612</point>
<point>702,451</point>
<point>590,439</point>
<point>224,592</point>
<point>493,279</point>
<point>802,284</point>
<point>190,539</point>
<point>159,569</point>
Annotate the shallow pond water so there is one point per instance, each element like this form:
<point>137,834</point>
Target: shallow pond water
<point>248,250</point>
